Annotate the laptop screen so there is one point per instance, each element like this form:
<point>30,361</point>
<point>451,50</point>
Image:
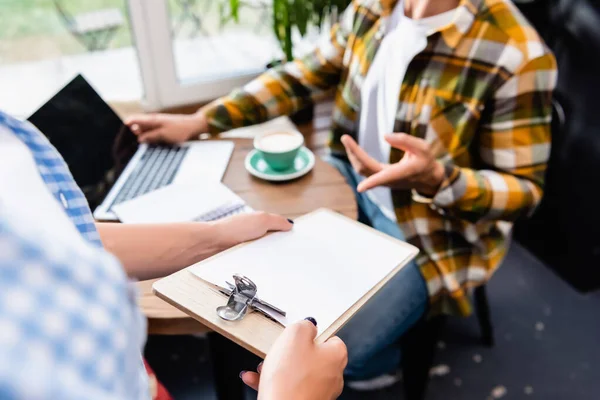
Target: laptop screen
<point>89,135</point>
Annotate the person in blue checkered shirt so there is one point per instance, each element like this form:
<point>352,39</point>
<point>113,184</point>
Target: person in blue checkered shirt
<point>69,324</point>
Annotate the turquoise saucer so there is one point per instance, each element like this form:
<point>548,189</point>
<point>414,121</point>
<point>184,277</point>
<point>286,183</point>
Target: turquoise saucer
<point>304,162</point>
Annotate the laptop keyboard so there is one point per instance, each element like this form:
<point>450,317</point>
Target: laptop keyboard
<point>221,213</point>
<point>156,168</point>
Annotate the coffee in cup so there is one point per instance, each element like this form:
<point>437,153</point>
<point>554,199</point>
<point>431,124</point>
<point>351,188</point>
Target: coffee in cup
<point>279,149</point>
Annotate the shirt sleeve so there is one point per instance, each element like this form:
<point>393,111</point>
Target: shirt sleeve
<point>514,147</point>
<point>287,88</point>
<point>68,321</point>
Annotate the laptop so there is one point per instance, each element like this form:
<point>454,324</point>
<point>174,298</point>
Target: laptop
<point>105,158</point>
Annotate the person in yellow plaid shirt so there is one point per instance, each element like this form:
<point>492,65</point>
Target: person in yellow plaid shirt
<point>467,86</point>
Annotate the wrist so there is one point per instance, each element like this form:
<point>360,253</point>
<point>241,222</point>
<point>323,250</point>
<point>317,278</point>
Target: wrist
<point>225,237</point>
<point>203,240</point>
<point>200,123</point>
<point>272,393</point>
<point>432,185</point>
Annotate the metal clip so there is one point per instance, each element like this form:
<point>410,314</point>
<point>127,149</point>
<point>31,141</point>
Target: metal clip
<point>242,296</point>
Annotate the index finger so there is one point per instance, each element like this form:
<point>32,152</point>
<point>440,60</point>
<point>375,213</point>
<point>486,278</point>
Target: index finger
<point>365,159</point>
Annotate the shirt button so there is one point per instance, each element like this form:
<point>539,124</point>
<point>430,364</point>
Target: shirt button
<point>63,200</point>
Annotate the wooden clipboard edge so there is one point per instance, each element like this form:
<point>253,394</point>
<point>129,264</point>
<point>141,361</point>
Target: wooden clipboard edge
<point>234,330</point>
<point>165,289</point>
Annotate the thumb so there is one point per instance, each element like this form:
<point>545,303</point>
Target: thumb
<point>299,335</point>
<point>306,329</point>
<point>302,332</point>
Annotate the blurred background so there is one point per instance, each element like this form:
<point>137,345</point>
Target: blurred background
<point>161,53</point>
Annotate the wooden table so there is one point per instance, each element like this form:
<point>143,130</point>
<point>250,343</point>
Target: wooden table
<point>322,187</point>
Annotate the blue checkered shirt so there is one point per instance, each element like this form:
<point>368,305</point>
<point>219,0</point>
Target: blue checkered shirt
<point>69,324</point>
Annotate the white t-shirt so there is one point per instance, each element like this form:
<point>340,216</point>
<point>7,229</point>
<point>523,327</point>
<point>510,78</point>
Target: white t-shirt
<point>404,39</point>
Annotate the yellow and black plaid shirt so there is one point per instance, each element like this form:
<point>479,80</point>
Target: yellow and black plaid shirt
<point>480,93</point>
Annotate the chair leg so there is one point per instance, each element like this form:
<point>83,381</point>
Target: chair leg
<point>418,350</point>
<point>482,309</point>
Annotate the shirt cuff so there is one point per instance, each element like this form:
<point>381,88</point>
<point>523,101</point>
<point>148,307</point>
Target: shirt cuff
<point>216,120</point>
<point>446,195</point>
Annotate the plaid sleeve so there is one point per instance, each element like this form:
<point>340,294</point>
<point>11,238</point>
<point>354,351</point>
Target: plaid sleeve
<point>286,88</point>
<point>514,147</point>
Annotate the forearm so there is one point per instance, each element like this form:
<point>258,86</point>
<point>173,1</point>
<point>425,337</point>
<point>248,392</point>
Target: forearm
<point>287,88</point>
<point>277,390</point>
<point>280,91</point>
<point>474,195</point>
<point>153,250</point>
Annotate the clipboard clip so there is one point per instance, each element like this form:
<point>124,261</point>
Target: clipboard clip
<point>242,297</point>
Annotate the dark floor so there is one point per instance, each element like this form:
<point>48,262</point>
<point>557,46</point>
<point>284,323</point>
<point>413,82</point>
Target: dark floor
<point>547,346</point>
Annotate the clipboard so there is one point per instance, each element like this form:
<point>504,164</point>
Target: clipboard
<point>256,332</point>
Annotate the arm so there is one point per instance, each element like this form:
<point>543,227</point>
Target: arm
<point>286,88</point>
<point>279,91</point>
<point>155,250</point>
<point>151,251</point>
<point>514,146</point>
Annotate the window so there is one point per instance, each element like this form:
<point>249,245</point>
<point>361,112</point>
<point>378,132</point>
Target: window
<point>164,53</point>
<point>44,43</point>
<point>188,55</point>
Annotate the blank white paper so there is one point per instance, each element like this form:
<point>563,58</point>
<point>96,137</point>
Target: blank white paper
<point>319,269</point>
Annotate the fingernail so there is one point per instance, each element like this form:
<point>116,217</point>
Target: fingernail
<point>259,368</point>
<point>242,374</point>
<point>290,221</point>
<point>311,320</point>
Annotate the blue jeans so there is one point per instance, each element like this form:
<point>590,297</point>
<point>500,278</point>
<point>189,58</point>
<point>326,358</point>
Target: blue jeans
<point>372,334</point>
